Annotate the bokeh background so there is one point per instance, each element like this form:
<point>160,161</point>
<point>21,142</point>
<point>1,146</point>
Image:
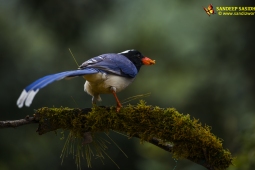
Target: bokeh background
<point>205,68</point>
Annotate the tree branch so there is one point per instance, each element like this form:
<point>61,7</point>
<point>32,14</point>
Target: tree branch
<point>165,128</point>
<point>16,123</point>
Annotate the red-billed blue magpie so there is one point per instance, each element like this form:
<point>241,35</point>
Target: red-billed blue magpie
<point>106,73</point>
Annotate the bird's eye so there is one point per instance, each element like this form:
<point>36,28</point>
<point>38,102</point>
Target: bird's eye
<point>138,55</point>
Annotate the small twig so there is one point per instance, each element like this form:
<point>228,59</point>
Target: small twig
<point>157,142</point>
<point>16,123</point>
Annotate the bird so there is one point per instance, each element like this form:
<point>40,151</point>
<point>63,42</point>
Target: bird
<point>104,74</point>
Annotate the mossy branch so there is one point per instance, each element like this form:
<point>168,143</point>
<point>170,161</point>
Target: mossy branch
<point>166,128</point>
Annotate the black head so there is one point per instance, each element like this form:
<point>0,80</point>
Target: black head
<point>137,58</point>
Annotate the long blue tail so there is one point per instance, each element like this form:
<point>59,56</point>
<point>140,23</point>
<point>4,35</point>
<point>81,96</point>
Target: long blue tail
<point>30,91</point>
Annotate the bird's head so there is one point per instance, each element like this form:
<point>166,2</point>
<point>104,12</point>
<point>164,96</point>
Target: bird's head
<point>137,58</point>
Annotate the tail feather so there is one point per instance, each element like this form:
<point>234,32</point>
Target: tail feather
<point>30,91</point>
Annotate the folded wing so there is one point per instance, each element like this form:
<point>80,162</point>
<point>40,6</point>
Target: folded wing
<point>112,63</point>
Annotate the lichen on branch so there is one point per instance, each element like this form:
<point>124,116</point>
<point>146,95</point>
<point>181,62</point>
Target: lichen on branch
<point>188,137</point>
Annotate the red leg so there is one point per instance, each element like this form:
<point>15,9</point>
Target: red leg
<point>116,98</point>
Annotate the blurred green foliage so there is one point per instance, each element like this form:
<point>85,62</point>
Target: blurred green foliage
<point>205,67</point>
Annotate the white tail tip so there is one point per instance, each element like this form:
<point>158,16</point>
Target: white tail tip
<point>30,97</point>
<point>26,97</point>
<point>22,98</point>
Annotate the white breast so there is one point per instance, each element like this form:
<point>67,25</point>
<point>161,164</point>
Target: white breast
<point>100,83</point>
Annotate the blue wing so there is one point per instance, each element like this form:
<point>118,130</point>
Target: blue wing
<point>30,91</point>
<point>112,63</point>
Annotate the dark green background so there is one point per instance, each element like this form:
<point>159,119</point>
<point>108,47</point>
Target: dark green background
<point>204,67</point>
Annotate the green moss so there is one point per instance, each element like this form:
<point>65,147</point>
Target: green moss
<point>190,138</point>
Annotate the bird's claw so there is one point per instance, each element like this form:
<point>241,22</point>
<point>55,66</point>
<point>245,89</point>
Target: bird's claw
<point>118,108</point>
